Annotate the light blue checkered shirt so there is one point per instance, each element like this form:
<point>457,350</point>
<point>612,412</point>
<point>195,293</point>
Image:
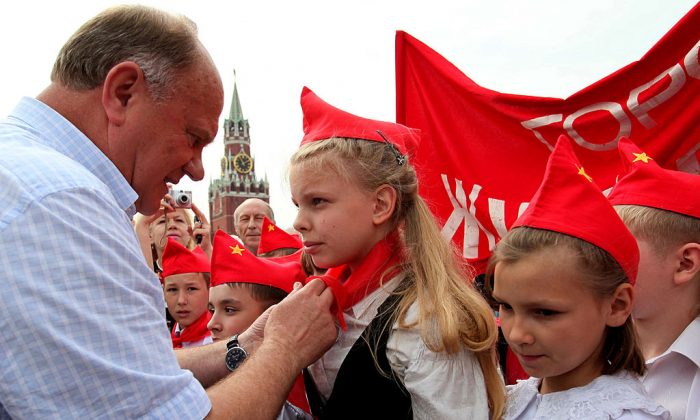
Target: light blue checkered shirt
<point>82,326</point>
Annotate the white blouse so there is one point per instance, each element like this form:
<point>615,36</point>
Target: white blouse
<point>442,386</point>
<point>618,396</point>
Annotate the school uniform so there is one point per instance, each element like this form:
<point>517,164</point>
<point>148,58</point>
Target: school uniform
<point>673,378</point>
<point>619,396</point>
<point>424,384</point>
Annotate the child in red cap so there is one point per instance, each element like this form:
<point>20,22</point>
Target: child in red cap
<point>417,339</point>
<point>662,210</point>
<point>275,242</point>
<point>186,286</point>
<point>243,286</point>
<point>563,278</point>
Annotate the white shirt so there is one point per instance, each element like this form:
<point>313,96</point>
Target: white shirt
<point>673,378</point>
<point>618,396</point>
<point>82,315</point>
<point>442,386</point>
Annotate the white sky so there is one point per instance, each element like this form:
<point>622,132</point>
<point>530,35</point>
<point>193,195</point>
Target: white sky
<point>344,51</point>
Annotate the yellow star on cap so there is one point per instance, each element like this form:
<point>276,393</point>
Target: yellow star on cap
<point>237,250</point>
<point>270,228</point>
<point>641,156</point>
<point>583,173</point>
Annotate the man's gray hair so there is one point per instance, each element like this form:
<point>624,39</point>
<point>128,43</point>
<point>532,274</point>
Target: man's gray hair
<point>160,43</point>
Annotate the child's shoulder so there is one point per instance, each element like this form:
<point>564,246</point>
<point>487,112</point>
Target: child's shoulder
<point>606,397</point>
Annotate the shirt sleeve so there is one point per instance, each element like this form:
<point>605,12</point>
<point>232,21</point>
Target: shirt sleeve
<point>442,386</point>
<point>82,318</point>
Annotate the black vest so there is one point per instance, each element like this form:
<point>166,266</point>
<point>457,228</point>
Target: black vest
<point>360,390</point>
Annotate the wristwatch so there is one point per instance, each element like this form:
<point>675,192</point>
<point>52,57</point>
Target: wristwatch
<point>235,355</point>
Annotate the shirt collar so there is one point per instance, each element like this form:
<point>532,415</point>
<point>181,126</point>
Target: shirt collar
<point>685,344</point>
<point>376,298</point>
<point>62,136</point>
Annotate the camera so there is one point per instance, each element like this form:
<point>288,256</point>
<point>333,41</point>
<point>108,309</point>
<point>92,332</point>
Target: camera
<point>181,199</point>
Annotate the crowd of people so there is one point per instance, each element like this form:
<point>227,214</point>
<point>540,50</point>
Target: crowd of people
<point>119,304</point>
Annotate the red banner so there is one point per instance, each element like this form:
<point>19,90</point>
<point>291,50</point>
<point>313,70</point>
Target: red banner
<point>483,152</point>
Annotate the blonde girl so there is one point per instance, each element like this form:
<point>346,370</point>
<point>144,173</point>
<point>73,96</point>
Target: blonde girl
<point>563,277</point>
<point>418,339</point>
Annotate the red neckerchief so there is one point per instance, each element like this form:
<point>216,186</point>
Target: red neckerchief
<point>366,278</point>
<point>193,332</point>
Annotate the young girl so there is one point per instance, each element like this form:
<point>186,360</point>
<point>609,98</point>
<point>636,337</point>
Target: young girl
<point>418,340</point>
<point>563,278</point>
<point>186,287</point>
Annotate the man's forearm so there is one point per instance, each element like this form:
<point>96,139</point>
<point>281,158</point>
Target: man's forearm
<point>208,363</point>
<point>266,373</point>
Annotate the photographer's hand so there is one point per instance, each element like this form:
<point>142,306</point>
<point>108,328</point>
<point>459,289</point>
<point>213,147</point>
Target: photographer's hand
<point>202,228</point>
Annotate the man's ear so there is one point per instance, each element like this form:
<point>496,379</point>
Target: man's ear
<point>687,263</point>
<point>122,83</point>
<point>384,203</point>
<point>621,305</point>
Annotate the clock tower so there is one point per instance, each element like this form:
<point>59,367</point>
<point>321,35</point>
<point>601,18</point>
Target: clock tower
<point>238,180</point>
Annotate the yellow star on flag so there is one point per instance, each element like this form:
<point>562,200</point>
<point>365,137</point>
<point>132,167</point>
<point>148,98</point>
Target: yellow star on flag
<point>237,250</point>
<point>583,173</point>
<point>270,228</point>
<point>641,157</point>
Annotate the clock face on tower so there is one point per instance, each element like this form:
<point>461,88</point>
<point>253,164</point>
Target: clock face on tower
<point>242,163</point>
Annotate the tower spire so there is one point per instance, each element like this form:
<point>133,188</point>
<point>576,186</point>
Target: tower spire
<point>236,112</point>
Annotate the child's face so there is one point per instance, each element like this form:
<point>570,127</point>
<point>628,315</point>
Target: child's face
<point>553,323</point>
<point>173,224</point>
<point>186,296</point>
<point>233,310</point>
<point>334,217</point>
<point>654,281</point>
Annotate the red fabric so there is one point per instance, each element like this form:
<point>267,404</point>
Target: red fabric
<point>194,332</point>
<point>351,287</point>
<point>231,262</point>
<point>323,121</point>
<point>483,153</point>
<point>514,371</point>
<point>273,238</point>
<point>569,202</point>
<point>297,395</point>
<point>177,259</point>
<point>647,184</point>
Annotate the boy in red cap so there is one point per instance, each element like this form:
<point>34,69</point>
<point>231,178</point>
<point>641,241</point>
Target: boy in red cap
<point>185,279</point>
<point>563,277</point>
<point>662,210</point>
<point>243,286</point>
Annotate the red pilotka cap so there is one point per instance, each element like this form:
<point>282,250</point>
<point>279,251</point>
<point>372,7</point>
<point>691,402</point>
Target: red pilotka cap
<point>569,202</point>
<point>648,184</point>
<point>231,262</point>
<point>177,259</point>
<point>273,238</point>
<point>323,121</point>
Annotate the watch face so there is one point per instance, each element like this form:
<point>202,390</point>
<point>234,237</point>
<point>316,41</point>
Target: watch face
<point>234,357</point>
<point>242,163</point>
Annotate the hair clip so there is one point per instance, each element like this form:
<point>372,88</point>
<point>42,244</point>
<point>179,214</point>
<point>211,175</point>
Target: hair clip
<point>400,159</point>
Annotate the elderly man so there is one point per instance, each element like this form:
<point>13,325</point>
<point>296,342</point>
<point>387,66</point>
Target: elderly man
<point>134,98</point>
<point>248,219</point>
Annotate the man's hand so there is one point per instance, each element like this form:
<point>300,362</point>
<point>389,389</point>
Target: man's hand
<point>302,323</point>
